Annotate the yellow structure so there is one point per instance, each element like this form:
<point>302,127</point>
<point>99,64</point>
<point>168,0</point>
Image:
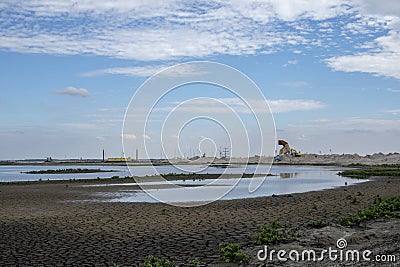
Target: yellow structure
<point>118,159</point>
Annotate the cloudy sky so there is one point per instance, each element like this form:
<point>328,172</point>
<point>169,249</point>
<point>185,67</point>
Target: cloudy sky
<point>329,69</point>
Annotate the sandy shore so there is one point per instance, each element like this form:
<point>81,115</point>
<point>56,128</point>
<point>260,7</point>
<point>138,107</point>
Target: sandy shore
<point>46,225</point>
<point>305,159</point>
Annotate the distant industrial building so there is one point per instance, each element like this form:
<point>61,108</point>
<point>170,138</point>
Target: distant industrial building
<point>118,159</point>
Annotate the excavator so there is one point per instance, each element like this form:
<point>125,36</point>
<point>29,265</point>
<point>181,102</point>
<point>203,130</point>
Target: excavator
<point>286,150</point>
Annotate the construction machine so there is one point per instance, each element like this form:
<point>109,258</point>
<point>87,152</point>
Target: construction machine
<point>286,150</point>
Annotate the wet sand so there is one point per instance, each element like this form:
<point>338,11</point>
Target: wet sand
<point>47,225</point>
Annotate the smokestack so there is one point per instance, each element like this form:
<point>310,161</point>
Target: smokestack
<point>137,154</point>
<point>103,155</point>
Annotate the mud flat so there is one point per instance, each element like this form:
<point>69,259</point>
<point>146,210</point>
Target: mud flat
<point>49,225</point>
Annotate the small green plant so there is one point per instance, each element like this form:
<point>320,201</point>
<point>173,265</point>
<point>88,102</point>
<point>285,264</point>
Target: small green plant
<point>382,209</point>
<point>152,261</point>
<point>317,224</point>
<point>273,234</point>
<point>354,201</point>
<point>314,207</point>
<point>196,262</point>
<point>359,194</point>
<point>377,200</point>
<point>231,252</point>
<point>164,212</point>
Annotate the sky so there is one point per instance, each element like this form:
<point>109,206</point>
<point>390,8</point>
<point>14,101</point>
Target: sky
<point>329,70</point>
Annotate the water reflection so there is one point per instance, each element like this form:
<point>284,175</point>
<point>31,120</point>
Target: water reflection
<point>286,175</point>
<point>307,179</point>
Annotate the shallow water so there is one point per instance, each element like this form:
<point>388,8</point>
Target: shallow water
<point>15,173</point>
<point>286,180</point>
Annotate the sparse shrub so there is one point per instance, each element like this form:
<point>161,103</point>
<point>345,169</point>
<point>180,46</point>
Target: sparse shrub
<point>377,200</point>
<point>196,262</point>
<point>152,261</point>
<point>354,201</point>
<point>273,234</point>
<point>164,212</point>
<point>231,252</point>
<point>383,209</point>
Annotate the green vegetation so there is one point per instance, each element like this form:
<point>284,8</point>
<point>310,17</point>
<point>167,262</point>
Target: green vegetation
<point>196,262</point>
<point>317,224</point>
<point>231,252</point>
<point>353,200</point>
<point>273,234</point>
<point>152,261</point>
<point>378,170</point>
<point>66,171</point>
<point>382,209</point>
<point>164,212</point>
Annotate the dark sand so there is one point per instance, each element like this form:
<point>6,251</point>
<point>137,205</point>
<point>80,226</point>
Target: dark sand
<point>45,225</point>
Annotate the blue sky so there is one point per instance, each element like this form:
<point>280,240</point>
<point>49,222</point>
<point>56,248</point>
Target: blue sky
<point>329,69</point>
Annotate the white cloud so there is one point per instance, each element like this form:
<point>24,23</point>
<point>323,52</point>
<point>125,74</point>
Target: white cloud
<point>229,105</point>
<point>368,124</point>
<point>74,125</point>
<point>154,30</point>
<point>295,84</point>
<point>291,62</point>
<point>129,136</point>
<point>355,125</point>
<point>381,7</point>
<point>72,91</point>
<point>393,90</point>
<point>393,111</point>
<point>321,120</point>
<point>382,64</point>
<point>383,53</point>
<point>144,71</point>
<point>175,30</point>
<point>285,105</point>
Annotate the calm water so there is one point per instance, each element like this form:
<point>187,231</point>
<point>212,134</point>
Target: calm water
<point>15,173</point>
<point>288,179</point>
